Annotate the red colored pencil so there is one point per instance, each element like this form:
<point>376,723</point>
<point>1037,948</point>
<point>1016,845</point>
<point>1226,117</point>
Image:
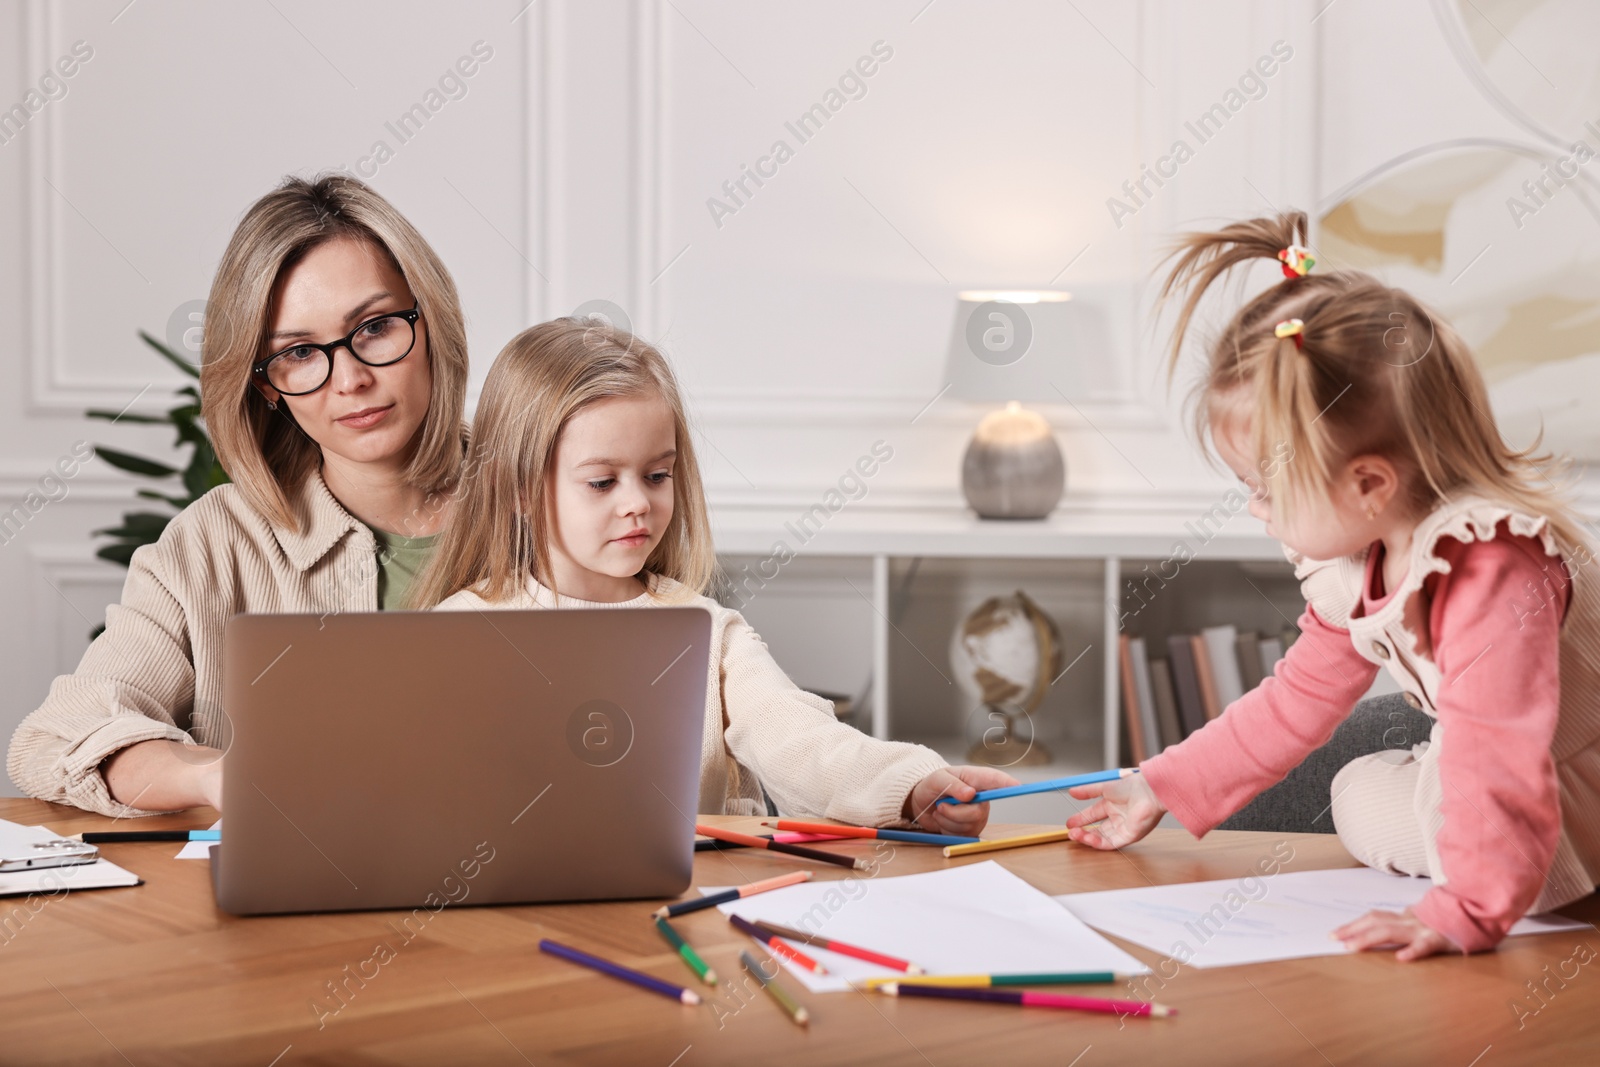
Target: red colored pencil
<point>775,945</point>
<point>840,947</point>
<point>777,846</point>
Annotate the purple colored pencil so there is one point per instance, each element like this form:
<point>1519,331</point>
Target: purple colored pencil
<point>616,970</point>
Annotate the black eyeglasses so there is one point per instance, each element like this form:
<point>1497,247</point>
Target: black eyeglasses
<point>306,367</point>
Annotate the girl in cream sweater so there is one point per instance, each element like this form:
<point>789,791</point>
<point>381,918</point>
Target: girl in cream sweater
<point>583,491</point>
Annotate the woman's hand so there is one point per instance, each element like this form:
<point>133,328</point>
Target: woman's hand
<point>922,807</point>
<point>1376,929</point>
<point>1126,811</point>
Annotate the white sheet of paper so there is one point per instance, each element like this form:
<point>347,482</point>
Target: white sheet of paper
<point>199,850</point>
<point>1285,916</point>
<point>53,881</point>
<point>977,919</point>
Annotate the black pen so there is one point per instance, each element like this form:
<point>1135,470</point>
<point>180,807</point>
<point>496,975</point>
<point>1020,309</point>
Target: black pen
<point>100,837</point>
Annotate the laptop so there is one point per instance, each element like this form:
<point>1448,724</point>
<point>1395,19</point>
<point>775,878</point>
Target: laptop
<point>418,759</point>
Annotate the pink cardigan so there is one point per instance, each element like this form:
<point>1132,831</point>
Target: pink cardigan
<point>1502,814</point>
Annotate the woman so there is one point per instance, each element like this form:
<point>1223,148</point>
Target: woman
<point>333,383</point>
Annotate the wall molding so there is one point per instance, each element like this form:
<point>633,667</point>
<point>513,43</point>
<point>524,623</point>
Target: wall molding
<point>54,389</point>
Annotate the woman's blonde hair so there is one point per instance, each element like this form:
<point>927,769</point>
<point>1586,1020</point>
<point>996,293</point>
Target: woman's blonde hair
<point>1372,371</point>
<point>266,454</point>
<point>498,531</point>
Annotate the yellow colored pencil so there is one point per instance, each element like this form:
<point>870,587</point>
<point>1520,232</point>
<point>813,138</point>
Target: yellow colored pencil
<point>982,981</point>
<point>1021,841</point>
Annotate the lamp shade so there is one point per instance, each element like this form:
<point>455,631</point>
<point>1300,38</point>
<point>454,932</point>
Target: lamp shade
<point>1039,346</point>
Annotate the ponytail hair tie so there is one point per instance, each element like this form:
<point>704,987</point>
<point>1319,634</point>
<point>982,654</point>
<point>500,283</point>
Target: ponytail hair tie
<point>1297,261</point>
<point>1291,328</point>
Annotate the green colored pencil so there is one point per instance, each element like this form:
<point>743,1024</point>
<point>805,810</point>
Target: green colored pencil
<point>796,1013</point>
<point>690,956</point>
<point>979,981</point>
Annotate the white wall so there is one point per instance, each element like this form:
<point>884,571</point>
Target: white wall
<point>578,165</point>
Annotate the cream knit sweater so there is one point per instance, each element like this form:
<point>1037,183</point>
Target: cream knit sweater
<point>762,732</point>
<point>156,671</point>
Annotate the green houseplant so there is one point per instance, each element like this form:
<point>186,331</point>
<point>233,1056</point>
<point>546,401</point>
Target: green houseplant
<point>198,476</point>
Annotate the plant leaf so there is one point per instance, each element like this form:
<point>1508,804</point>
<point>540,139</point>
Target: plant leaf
<point>179,502</point>
<point>142,526</point>
<point>172,357</point>
<point>134,464</point>
<point>118,553</point>
<point>117,416</point>
<point>197,476</point>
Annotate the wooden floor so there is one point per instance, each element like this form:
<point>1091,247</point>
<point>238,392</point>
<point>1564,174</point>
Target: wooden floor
<point>157,975</point>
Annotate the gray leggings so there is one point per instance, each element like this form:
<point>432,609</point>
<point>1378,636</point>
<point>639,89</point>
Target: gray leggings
<point>1300,803</point>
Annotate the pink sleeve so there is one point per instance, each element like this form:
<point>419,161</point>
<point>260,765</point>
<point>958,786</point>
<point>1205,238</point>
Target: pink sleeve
<point>1496,627</point>
<point>1265,734</point>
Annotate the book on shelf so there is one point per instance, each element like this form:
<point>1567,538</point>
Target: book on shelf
<point>1247,650</point>
<point>1221,647</point>
<point>1171,728</point>
<point>1186,684</point>
<point>1271,651</point>
<point>1137,749</point>
<point>1208,680</point>
<point>1142,689</point>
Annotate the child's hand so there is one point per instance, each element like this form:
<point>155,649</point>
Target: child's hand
<point>959,782</point>
<point>1127,810</point>
<point>1376,929</point>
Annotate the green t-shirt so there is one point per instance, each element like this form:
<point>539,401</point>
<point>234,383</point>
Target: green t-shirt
<point>400,560</point>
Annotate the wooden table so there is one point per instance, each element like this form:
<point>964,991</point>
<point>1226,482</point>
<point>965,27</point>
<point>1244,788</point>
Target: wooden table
<point>157,975</point>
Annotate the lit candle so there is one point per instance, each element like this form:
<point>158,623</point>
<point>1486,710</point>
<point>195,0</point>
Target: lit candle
<point>1013,467</point>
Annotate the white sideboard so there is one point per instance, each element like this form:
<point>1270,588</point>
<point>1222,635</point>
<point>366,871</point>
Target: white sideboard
<point>880,535</point>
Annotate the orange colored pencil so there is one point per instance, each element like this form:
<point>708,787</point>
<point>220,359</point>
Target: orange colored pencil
<point>775,945</point>
<point>775,846</point>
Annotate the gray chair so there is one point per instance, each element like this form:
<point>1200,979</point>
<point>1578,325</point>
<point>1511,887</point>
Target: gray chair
<point>1300,803</point>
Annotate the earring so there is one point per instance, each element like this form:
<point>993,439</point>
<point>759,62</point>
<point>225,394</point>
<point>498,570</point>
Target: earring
<point>272,405</point>
<point>1370,513</point>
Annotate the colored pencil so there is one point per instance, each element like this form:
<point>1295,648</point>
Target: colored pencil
<point>980,981</point>
<point>775,945</point>
<point>998,843</point>
<point>711,900</point>
<point>786,838</point>
<point>617,970</point>
<point>1044,787</point>
<point>908,836</point>
<point>841,947</point>
<point>801,839</point>
<point>1029,1000</point>
<point>690,956</point>
<point>775,846</point>
<point>795,1012</point>
<point>101,837</point>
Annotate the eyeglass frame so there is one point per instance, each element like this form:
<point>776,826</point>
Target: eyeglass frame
<point>259,369</point>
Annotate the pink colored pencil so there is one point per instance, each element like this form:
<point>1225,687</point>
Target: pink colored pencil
<point>1029,999</point>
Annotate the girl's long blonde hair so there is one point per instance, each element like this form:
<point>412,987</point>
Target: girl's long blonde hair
<point>1375,372</point>
<point>497,535</point>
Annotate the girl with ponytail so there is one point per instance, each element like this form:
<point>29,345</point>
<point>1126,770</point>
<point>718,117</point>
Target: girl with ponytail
<point>1425,546</point>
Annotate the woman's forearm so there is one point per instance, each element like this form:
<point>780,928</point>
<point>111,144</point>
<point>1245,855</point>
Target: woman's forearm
<point>165,776</point>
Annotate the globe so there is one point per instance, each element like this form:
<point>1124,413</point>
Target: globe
<point>1005,654</point>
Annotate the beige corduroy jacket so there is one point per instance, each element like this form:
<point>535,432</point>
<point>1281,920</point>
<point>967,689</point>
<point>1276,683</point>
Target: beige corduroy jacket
<point>156,671</point>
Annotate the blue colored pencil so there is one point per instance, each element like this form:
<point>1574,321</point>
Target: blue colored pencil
<point>616,970</point>
<point>1050,786</point>
<point>912,837</point>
